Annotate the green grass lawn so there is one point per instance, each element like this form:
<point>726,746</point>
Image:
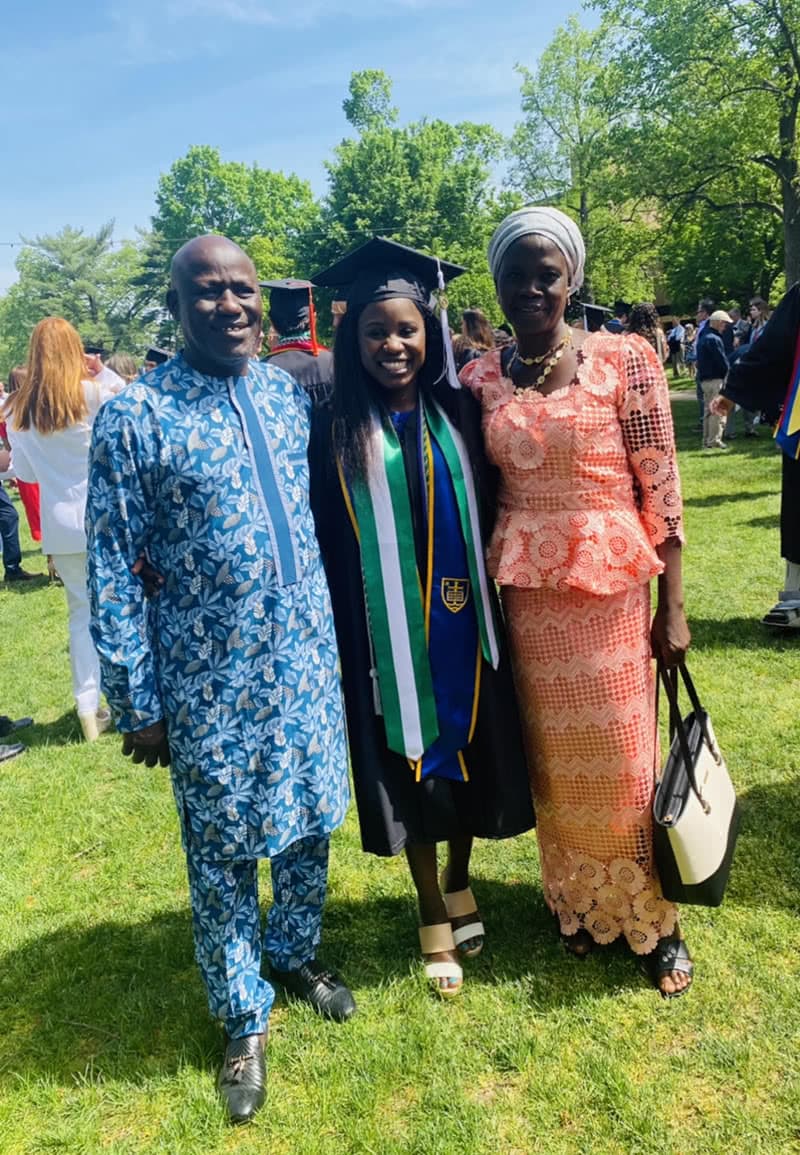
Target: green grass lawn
<point>106,1044</point>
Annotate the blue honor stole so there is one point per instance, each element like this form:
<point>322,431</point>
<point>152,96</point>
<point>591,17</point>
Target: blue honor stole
<point>280,527</point>
<point>454,642</point>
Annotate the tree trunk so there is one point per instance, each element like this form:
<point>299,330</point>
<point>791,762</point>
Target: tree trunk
<point>586,294</point>
<point>791,231</point>
<point>790,191</point>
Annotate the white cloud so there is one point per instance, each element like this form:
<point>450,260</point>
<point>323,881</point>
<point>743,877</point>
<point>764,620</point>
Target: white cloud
<point>256,12</point>
<point>203,15</point>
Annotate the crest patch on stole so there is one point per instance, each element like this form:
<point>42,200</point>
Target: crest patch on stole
<point>455,593</point>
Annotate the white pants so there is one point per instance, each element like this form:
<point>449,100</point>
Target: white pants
<point>713,426</point>
<point>82,654</point>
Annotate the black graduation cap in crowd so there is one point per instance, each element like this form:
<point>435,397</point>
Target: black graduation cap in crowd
<point>594,316</point>
<point>382,269</point>
<point>98,350</point>
<point>156,355</point>
<point>291,304</point>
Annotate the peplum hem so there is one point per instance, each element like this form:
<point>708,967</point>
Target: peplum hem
<point>597,551</point>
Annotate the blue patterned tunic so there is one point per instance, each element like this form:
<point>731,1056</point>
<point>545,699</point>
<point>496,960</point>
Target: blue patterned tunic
<point>239,658</point>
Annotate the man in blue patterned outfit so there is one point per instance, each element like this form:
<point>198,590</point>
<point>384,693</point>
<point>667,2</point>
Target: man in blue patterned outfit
<point>230,674</point>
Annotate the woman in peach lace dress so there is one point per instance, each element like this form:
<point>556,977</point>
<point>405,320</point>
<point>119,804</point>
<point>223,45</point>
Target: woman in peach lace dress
<point>589,512</point>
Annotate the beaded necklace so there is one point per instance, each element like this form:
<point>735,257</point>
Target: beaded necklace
<point>551,358</point>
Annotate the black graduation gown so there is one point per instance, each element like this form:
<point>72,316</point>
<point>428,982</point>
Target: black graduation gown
<point>393,808</point>
<point>315,374</point>
<point>758,381</point>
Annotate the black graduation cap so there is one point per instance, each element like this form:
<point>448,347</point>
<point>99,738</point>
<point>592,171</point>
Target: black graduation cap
<point>287,284</point>
<point>157,356</point>
<point>98,350</point>
<point>290,304</point>
<point>382,269</point>
<point>594,316</point>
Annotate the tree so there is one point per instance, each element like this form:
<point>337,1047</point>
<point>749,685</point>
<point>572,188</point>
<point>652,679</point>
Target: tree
<point>369,103</point>
<point>562,154</point>
<point>83,278</point>
<point>426,184</point>
<point>265,212</point>
<point>713,89</point>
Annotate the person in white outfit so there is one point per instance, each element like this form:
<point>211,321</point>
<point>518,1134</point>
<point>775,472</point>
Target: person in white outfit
<point>49,423</point>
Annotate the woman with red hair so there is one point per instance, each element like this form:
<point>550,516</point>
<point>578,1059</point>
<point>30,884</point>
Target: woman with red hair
<point>49,423</point>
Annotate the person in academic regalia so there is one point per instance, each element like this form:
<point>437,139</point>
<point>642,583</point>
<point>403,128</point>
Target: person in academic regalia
<point>297,351</point>
<point>766,378</point>
<point>154,357</point>
<point>401,495</point>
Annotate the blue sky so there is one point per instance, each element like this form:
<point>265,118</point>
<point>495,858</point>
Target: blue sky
<point>101,97</point>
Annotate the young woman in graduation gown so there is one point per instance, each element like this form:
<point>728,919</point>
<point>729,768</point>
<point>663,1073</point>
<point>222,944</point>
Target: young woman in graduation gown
<point>402,499</point>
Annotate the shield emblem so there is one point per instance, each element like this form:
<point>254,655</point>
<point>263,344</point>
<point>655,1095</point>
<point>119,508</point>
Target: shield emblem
<point>455,593</point>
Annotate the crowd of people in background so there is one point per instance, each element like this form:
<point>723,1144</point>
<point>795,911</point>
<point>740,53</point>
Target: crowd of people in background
<point>308,478</point>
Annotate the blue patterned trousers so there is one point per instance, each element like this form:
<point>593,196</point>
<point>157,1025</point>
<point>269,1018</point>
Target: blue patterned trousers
<point>227,927</point>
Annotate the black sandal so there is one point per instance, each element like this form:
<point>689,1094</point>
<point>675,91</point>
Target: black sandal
<point>580,943</point>
<point>670,954</point>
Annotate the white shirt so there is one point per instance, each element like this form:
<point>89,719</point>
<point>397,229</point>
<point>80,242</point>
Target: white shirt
<point>59,463</point>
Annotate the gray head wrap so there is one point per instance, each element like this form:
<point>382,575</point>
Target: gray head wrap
<point>545,222</point>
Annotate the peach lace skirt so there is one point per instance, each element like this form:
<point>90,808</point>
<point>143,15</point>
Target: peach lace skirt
<point>585,683</point>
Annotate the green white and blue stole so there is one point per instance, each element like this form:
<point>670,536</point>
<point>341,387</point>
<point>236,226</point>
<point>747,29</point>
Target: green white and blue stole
<point>280,527</point>
<point>428,639</point>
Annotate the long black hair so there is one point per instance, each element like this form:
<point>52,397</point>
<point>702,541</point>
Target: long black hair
<point>356,394</point>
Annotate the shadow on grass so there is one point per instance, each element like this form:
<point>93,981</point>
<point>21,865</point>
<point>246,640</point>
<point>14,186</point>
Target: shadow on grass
<point>766,867</point>
<point>122,999</point>
<point>713,499</point>
<point>126,1002</point>
<point>40,581</point>
<point>62,732</point>
<point>770,521</point>
<point>739,633</point>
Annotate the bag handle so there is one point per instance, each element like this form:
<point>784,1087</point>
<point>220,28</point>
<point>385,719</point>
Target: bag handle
<point>670,681</point>
<point>700,711</point>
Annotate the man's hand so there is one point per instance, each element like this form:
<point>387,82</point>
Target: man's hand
<point>149,745</point>
<point>721,406</point>
<point>152,580</point>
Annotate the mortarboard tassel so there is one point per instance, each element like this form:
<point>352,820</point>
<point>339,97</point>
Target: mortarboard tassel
<point>450,371</point>
<point>312,323</point>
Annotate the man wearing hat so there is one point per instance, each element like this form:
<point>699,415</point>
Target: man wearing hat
<point>712,366</point>
<point>230,675</point>
<point>297,351</point>
<point>155,356</point>
<point>619,322</point>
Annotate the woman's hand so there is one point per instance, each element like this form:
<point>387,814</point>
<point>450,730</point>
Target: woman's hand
<point>669,635</point>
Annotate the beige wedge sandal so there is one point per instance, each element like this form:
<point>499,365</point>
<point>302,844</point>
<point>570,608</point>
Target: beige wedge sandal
<point>459,903</point>
<point>432,940</point>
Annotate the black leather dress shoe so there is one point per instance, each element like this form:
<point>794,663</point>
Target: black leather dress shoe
<point>9,725</point>
<point>18,574</point>
<point>242,1081</point>
<point>322,988</point>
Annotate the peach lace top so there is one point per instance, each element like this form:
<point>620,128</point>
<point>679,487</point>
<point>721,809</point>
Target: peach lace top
<point>589,482</point>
